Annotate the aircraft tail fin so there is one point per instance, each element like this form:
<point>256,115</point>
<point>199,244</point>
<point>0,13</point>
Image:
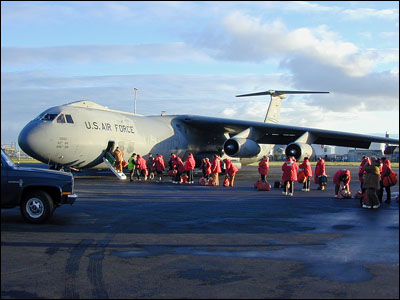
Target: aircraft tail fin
<point>274,108</point>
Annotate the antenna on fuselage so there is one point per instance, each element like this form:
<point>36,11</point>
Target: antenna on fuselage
<point>274,108</point>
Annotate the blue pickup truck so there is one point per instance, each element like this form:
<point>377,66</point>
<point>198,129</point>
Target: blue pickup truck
<point>38,192</point>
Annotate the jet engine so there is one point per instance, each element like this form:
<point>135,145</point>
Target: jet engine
<point>299,150</point>
<point>241,147</point>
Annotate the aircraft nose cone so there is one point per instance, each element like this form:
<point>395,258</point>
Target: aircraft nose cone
<point>31,141</point>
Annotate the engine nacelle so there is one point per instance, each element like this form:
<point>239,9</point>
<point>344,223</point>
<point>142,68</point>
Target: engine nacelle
<point>299,151</point>
<point>241,147</point>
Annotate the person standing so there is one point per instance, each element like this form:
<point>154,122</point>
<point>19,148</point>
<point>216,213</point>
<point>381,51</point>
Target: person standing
<point>159,166</point>
<point>372,183</point>
<point>190,163</point>
<point>231,171</point>
<point>131,166</point>
<point>142,166</point>
<point>342,176</point>
<point>361,172</point>
<point>119,158</point>
<point>263,168</point>
<point>206,167</point>
<point>320,171</point>
<point>289,175</point>
<point>216,168</point>
<point>150,166</point>
<point>180,167</point>
<point>386,170</point>
<point>307,169</point>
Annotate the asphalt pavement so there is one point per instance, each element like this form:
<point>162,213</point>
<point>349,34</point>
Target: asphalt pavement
<point>127,240</point>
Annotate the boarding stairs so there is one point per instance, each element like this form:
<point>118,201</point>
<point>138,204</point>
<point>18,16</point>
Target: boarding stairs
<point>109,160</point>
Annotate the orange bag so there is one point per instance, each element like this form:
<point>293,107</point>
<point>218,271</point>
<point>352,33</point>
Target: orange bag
<point>203,181</point>
<point>390,180</point>
<point>226,181</point>
<point>301,177</point>
<point>263,186</point>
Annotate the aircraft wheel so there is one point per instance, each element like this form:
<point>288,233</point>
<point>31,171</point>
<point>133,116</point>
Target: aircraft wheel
<point>37,206</point>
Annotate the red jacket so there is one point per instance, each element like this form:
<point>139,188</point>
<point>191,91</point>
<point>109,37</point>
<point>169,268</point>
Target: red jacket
<point>319,170</point>
<point>142,163</point>
<point>386,168</point>
<point>361,171</point>
<point>216,166</point>
<point>306,167</point>
<point>179,164</point>
<point>159,163</point>
<point>206,166</point>
<point>337,178</point>
<point>190,162</point>
<point>263,166</point>
<point>230,168</point>
<point>289,169</point>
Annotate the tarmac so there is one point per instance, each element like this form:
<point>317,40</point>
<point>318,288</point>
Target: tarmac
<point>151,240</point>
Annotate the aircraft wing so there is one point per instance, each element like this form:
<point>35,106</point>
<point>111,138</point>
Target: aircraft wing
<point>282,134</point>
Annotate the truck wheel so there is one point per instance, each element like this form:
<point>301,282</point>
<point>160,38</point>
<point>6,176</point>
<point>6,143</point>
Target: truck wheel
<point>37,207</point>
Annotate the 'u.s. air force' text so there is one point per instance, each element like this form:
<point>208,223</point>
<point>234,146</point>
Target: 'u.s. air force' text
<point>108,127</point>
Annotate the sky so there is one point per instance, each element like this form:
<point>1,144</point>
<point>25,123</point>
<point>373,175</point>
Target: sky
<point>195,57</point>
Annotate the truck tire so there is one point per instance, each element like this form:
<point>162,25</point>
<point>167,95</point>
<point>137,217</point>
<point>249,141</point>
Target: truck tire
<point>37,206</point>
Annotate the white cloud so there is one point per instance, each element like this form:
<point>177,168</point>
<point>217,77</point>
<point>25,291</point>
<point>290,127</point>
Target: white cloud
<point>367,13</point>
<point>245,38</point>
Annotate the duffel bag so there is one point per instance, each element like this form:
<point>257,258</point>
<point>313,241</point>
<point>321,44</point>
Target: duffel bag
<point>390,180</point>
<point>301,177</point>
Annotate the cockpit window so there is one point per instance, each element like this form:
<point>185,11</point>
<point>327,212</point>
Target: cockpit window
<point>69,119</point>
<point>61,119</point>
<point>48,117</point>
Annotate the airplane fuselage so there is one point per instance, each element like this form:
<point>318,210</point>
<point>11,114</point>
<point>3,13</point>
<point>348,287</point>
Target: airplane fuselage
<point>76,135</point>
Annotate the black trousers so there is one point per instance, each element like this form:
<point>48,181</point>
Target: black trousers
<point>289,189</point>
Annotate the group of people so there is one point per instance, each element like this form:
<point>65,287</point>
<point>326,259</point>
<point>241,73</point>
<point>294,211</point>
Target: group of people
<point>372,173</point>
<point>151,168</point>
<point>214,168</point>
<point>290,171</point>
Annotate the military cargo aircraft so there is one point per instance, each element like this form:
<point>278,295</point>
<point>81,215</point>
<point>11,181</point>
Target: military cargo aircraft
<point>78,135</point>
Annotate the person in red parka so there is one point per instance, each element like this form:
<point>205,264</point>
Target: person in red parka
<point>289,175</point>
<point>230,170</point>
<point>216,168</point>
<point>180,167</point>
<point>307,169</point>
<point>159,165</point>
<point>386,170</point>
<point>263,168</point>
<point>320,170</point>
<point>142,166</point>
<point>342,176</point>
<point>206,167</point>
<point>190,163</point>
<point>361,172</point>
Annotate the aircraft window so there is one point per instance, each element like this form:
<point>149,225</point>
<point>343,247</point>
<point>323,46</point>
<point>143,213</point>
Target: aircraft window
<point>61,119</point>
<point>69,119</point>
<point>48,117</point>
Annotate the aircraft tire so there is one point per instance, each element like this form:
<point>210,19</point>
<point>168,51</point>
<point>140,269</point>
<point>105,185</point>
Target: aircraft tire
<point>37,206</point>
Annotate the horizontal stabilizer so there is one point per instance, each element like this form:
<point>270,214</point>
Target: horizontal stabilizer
<point>278,93</point>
